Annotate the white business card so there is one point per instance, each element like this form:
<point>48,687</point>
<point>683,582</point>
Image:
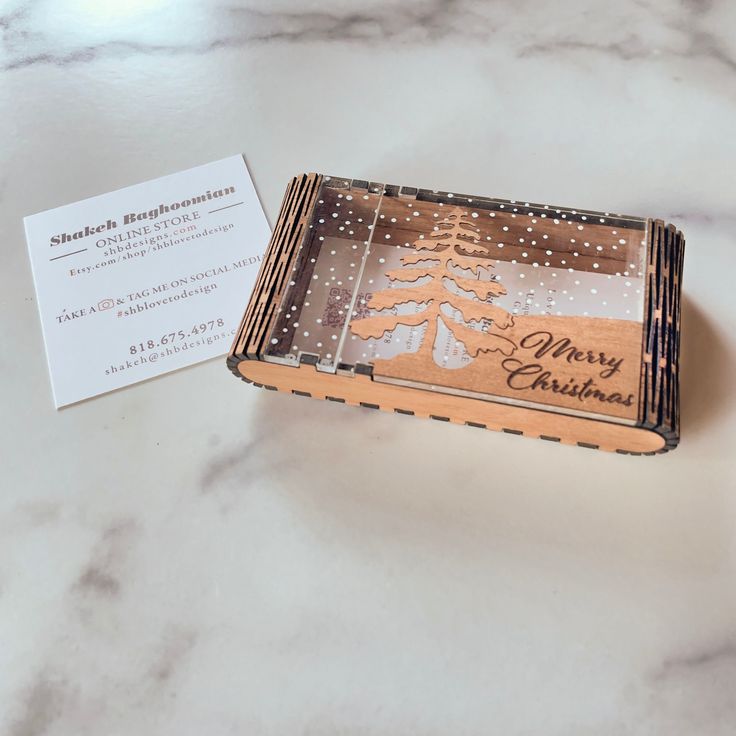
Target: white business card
<point>147,279</point>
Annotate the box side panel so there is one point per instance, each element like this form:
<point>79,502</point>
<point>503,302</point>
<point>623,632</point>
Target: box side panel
<point>360,390</point>
<point>659,407</point>
<point>273,277</point>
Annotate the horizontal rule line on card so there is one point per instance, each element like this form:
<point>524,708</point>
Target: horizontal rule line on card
<point>225,208</point>
<point>56,258</point>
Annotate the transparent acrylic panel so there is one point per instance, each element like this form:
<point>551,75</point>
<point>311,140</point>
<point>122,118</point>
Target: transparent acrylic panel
<point>529,304</point>
<point>314,309</point>
<point>460,290</point>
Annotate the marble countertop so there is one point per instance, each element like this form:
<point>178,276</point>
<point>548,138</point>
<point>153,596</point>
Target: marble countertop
<point>191,556</point>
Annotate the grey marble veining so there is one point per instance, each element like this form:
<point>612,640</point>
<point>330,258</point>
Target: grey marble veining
<point>192,556</point>
<point>688,30</point>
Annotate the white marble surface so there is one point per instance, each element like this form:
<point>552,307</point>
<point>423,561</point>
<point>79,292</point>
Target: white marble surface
<point>192,556</point>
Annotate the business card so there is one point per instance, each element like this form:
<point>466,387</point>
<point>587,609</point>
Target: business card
<point>147,279</point>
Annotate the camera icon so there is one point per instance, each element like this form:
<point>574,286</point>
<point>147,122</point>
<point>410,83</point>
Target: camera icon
<point>105,304</point>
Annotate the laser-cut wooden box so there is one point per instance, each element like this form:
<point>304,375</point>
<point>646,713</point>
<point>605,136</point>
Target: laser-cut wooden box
<point>532,319</point>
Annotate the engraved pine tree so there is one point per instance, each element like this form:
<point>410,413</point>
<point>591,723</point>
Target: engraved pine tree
<point>449,248</point>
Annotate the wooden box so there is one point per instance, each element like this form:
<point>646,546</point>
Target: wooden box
<point>545,321</point>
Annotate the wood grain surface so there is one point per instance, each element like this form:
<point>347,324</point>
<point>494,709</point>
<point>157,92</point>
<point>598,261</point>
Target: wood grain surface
<point>361,390</point>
